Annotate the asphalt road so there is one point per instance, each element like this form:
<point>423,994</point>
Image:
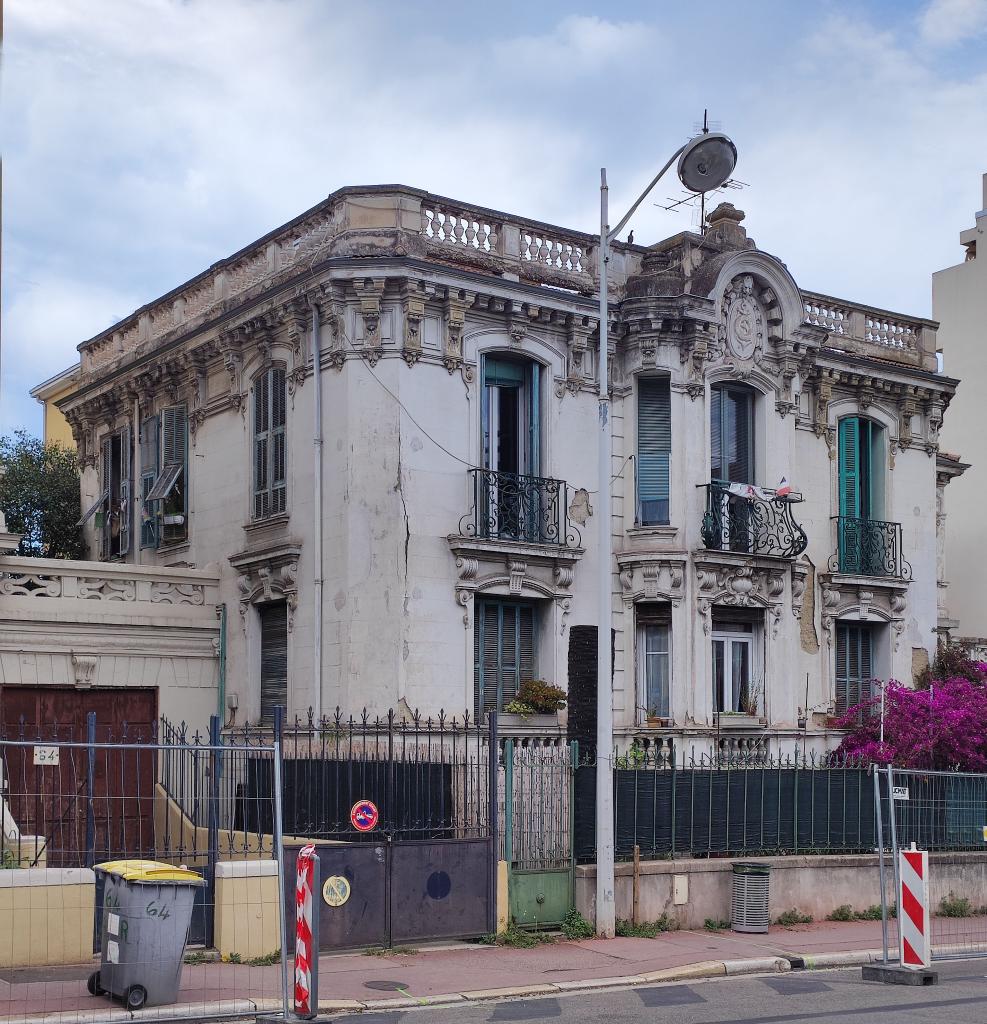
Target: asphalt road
<point>803,997</point>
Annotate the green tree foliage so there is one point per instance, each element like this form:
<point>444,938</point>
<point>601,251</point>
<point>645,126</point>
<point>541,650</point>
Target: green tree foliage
<point>39,495</point>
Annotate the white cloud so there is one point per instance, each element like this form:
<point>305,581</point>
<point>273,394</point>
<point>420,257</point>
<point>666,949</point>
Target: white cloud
<point>146,139</point>
<point>946,22</point>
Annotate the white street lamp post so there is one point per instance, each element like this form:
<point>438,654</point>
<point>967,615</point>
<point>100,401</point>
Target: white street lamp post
<point>705,163</point>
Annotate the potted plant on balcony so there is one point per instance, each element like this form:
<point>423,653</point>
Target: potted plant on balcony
<point>654,719</point>
<point>536,706</point>
<point>748,716</point>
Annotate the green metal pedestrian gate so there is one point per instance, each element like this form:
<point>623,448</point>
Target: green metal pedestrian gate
<point>538,831</point>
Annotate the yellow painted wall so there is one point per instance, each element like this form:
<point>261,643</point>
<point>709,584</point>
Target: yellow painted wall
<point>56,425</point>
<point>46,916</point>
<point>247,911</point>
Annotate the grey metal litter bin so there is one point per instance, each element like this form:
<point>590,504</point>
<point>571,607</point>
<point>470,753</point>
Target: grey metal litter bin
<point>750,899</point>
<point>147,909</point>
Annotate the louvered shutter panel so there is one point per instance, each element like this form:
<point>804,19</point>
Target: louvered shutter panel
<point>849,525</point>
<point>654,443</point>
<point>173,430</point>
<point>741,406</point>
<point>125,488</point>
<point>262,440</point>
<point>526,644</point>
<point>273,658</point>
<point>533,462</point>
<point>717,470</point>
<point>149,472</point>
<point>866,662</point>
<point>277,472</point>
<point>509,654</point>
<point>487,646</point>
<point>106,451</point>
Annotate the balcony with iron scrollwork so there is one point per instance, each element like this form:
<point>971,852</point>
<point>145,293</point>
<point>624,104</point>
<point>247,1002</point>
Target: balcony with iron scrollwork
<point>519,508</point>
<point>869,547</point>
<point>751,520</point>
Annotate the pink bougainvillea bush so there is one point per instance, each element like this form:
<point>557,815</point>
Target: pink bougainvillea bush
<point>943,727</point>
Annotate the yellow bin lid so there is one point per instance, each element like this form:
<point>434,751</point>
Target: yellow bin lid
<point>153,871</point>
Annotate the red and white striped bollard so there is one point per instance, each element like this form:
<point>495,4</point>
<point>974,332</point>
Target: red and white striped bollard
<point>915,947</point>
<point>307,934</point>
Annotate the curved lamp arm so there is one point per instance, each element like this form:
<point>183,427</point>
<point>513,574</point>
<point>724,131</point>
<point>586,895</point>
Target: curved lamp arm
<point>654,181</point>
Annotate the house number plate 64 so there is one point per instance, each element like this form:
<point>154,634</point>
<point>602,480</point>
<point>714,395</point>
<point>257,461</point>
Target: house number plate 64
<point>46,755</point>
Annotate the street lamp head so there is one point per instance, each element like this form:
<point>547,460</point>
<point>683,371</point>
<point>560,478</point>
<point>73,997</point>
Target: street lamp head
<point>707,162</point>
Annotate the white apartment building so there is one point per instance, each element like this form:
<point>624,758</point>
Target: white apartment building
<point>379,421</point>
<point>959,303</point>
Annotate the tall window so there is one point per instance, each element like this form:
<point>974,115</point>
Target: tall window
<point>854,664</point>
<point>734,687</point>
<point>653,642</point>
<point>862,547</point>
<point>270,491</point>
<point>654,445</point>
<point>732,433</point>
<point>165,486</point>
<point>112,509</point>
<point>504,651</point>
<point>511,413</point>
<point>273,657</point>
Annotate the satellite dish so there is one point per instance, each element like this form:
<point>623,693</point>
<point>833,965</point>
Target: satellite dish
<point>707,162</point>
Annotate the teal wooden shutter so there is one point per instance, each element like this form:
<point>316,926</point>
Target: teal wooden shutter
<point>534,419</point>
<point>850,467</point>
<point>654,445</point>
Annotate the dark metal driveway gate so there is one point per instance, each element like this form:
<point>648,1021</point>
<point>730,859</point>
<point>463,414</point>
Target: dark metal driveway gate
<point>428,868</point>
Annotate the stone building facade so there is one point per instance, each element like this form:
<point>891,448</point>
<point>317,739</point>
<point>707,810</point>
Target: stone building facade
<point>774,470</point>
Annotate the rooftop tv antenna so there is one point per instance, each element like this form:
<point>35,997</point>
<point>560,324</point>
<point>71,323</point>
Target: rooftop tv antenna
<point>710,158</point>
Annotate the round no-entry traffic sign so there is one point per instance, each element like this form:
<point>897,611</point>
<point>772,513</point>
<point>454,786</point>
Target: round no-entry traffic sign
<point>364,815</point>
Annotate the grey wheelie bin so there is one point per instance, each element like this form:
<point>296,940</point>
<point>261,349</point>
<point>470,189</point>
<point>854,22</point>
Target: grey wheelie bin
<point>147,909</point>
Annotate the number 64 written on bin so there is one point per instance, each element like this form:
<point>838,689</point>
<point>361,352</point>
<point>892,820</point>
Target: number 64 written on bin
<point>153,910</point>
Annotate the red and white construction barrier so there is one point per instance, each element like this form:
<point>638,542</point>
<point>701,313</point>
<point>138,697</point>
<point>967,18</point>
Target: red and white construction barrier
<point>307,934</point>
<point>913,909</point>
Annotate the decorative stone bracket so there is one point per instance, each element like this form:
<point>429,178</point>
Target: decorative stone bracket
<point>874,600</point>
<point>513,570</point>
<point>268,574</point>
<point>651,577</point>
<point>743,583</point>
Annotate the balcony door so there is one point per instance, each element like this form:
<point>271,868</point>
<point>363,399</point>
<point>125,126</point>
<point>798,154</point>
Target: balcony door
<point>511,415</point>
<point>511,429</point>
<point>732,464</point>
<point>733,654</point>
<point>863,539</point>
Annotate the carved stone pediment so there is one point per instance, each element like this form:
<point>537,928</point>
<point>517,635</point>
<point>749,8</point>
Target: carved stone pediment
<point>739,581</point>
<point>864,600</point>
<point>513,569</point>
<point>268,574</point>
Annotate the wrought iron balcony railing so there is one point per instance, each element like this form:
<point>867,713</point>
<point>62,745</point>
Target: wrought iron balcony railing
<point>869,547</point>
<point>512,506</point>
<point>751,520</point>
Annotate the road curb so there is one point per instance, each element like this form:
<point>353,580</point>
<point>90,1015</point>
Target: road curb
<point>756,965</point>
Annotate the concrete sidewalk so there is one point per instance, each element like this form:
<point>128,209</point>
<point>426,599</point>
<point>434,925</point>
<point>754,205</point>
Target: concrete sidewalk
<point>357,981</point>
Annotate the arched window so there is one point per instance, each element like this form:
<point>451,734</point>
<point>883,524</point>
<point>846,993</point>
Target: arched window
<point>270,449</point>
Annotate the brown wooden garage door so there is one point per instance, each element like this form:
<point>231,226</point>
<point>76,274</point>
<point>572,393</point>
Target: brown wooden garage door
<point>53,800</point>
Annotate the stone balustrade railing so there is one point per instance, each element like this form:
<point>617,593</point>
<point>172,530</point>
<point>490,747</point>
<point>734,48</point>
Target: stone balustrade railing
<point>866,330</point>
<point>42,585</point>
<point>364,221</point>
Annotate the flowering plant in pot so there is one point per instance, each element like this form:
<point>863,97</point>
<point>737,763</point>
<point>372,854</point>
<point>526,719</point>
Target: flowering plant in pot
<point>537,699</point>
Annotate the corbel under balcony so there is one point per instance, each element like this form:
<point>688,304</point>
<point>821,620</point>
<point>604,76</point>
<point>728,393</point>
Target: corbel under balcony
<point>514,569</point>
<point>863,599</point>
<point>651,576</point>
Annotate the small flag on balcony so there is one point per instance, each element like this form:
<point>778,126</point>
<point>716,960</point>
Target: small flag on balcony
<point>784,488</point>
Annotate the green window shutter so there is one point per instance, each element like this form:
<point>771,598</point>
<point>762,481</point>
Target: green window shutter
<point>534,419</point>
<point>654,446</point>
<point>849,444</point>
<point>732,434</point>
<point>854,665</point>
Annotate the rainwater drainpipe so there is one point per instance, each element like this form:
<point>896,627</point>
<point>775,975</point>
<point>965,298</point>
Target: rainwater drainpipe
<point>317,455</point>
<point>221,704</point>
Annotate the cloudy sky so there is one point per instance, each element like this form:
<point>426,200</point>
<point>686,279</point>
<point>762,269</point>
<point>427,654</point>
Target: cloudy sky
<point>145,139</point>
